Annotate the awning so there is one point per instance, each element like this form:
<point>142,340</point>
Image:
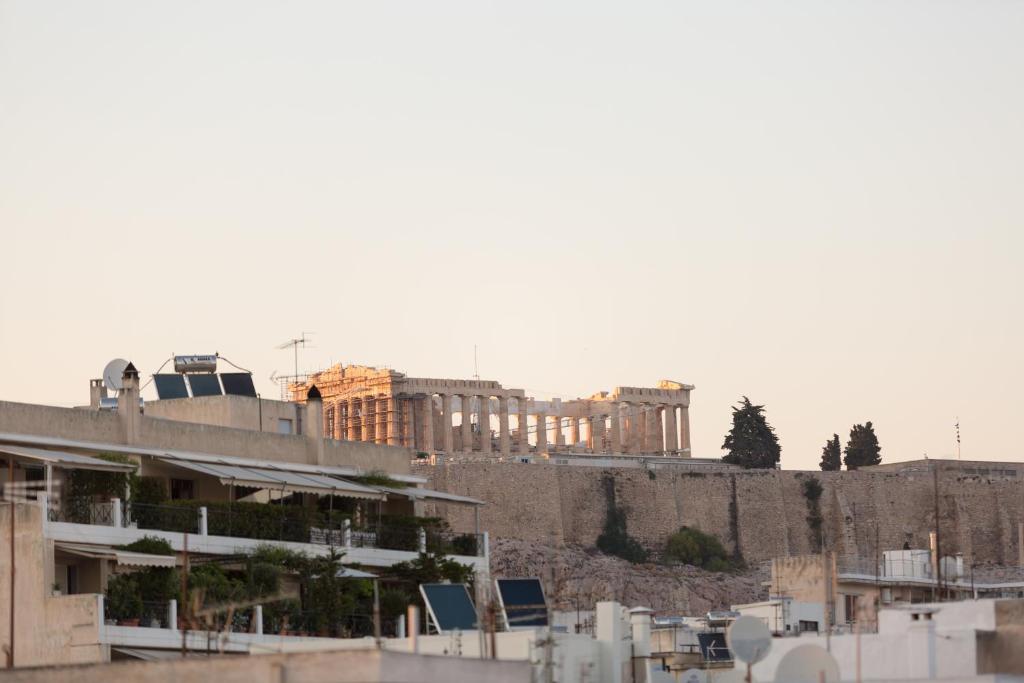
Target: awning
<point>125,558</point>
<point>426,494</point>
<point>349,573</point>
<point>279,479</point>
<point>70,461</point>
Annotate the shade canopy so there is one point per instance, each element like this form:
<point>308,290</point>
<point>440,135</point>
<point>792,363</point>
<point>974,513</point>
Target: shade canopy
<point>279,479</point>
<point>426,494</point>
<point>65,460</point>
<point>124,558</point>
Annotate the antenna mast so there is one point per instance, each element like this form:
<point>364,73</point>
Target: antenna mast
<point>476,365</point>
<point>295,344</point>
<point>957,426</point>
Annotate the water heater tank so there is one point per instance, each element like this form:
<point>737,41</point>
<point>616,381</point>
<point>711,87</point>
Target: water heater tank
<point>195,363</point>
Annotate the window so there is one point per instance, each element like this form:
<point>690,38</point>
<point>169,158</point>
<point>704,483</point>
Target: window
<point>35,477</point>
<point>850,607</point>
<point>808,626</point>
<point>183,489</point>
<point>284,425</point>
<point>330,424</point>
<point>72,587</point>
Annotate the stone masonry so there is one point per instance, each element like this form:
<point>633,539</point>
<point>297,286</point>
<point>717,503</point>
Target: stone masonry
<point>763,513</point>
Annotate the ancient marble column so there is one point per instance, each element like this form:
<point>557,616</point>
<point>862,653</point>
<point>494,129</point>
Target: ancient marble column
<point>641,427</point>
<point>447,424</point>
<point>542,433</point>
<point>394,422</point>
<point>523,429</point>
<point>616,433</point>
<point>671,429</point>
<point>559,434</point>
<point>485,424</point>
<point>466,429</point>
<point>592,433</point>
<point>598,426</point>
<point>574,431</point>
<point>654,441</point>
<point>353,419</point>
<point>427,408</point>
<point>504,443</point>
<point>381,426</point>
<point>684,431</point>
<point>369,414</point>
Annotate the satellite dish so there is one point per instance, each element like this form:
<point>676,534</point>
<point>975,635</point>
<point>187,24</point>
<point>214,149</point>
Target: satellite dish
<point>694,676</point>
<point>749,639</point>
<point>807,664</point>
<point>113,372</point>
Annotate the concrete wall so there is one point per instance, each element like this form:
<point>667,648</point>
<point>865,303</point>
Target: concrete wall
<point>240,412</point>
<point>48,629</point>
<point>84,424</point>
<point>362,666</point>
<point>764,513</point>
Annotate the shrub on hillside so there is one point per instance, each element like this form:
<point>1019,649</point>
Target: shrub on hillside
<point>692,546</point>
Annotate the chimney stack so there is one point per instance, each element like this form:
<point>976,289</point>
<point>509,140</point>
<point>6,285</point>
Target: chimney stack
<point>128,403</point>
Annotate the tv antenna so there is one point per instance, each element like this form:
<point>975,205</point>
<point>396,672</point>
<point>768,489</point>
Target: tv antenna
<point>476,365</point>
<point>957,427</point>
<point>295,344</point>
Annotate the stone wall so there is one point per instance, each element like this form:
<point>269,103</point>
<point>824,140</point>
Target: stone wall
<point>765,513</point>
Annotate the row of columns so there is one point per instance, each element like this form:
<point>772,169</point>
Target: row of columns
<point>410,421</point>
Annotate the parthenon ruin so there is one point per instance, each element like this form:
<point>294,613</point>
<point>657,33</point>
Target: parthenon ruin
<point>386,407</point>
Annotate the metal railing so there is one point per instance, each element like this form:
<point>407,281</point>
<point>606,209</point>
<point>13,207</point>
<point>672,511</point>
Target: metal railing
<point>83,511</point>
<point>161,517</point>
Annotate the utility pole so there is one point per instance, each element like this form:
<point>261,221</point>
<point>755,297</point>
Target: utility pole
<point>10,487</point>
<point>938,541</point>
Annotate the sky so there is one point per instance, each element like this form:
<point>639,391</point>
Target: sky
<point>816,205</point>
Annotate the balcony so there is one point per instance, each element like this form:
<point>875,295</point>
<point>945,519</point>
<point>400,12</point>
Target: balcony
<point>217,528</point>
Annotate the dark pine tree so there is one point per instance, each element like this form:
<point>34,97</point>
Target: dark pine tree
<point>751,442</point>
<point>862,449</point>
<point>832,455</point>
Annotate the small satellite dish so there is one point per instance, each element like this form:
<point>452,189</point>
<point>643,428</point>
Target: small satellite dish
<point>112,374</point>
<point>749,639</point>
<point>693,676</point>
<point>807,664</point>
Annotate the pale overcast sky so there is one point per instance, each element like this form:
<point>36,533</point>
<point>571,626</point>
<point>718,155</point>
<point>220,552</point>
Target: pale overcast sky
<point>818,205</point>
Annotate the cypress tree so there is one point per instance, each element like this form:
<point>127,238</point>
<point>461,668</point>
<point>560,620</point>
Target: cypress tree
<point>832,455</point>
<point>862,449</point>
<point>752,442</point>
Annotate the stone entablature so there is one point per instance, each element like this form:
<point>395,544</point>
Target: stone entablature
<point>386,407</point>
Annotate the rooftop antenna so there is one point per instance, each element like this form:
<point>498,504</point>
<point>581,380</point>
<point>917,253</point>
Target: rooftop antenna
<point>957,426</point>
<point>476,365</point>
<point>295,344</point>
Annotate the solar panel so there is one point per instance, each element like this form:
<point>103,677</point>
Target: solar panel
<point>204,385</point>
<point>170,386</point>
<point>449,606</point>
<point>238,384</point>
<point>522,602</point>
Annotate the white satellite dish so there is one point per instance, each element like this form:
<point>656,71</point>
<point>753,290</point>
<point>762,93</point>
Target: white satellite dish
<point>807,664</point>
<point>693,676</point>
<point>113,372</point>
<point>749,639</point>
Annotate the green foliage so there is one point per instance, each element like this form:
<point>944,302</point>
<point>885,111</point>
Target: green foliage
<point>752,442</point>
<point>812,491</point>
<point>379,478</point>
<point>692,546</point>
<point>862,449</point>
<point>832,455</point>
<point>406,577</point>
<point>149,490</point>
<point>123,598</point>
<point>151,545</point>
<point>615,539</point>
<point>87,486</point>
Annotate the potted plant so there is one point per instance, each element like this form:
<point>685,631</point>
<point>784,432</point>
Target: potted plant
<point>124,603</point>
<point>56,589</point>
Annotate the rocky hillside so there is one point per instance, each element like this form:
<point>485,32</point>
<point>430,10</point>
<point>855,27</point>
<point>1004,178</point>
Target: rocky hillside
<point>586,576</point>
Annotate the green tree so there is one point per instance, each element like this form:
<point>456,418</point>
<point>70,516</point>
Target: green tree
<point>751,442</point>
<point>692,546</point>
<point>862,449</point>
<point>832,455</point>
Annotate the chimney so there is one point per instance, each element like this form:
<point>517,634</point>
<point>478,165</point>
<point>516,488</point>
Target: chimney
<point>97,390</point>
<point>128,403</point>
<point>640,623</point>
<point>315,423</point>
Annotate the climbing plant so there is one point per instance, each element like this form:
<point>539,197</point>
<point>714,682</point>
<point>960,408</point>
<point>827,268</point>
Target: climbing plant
<point>615,539</point>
